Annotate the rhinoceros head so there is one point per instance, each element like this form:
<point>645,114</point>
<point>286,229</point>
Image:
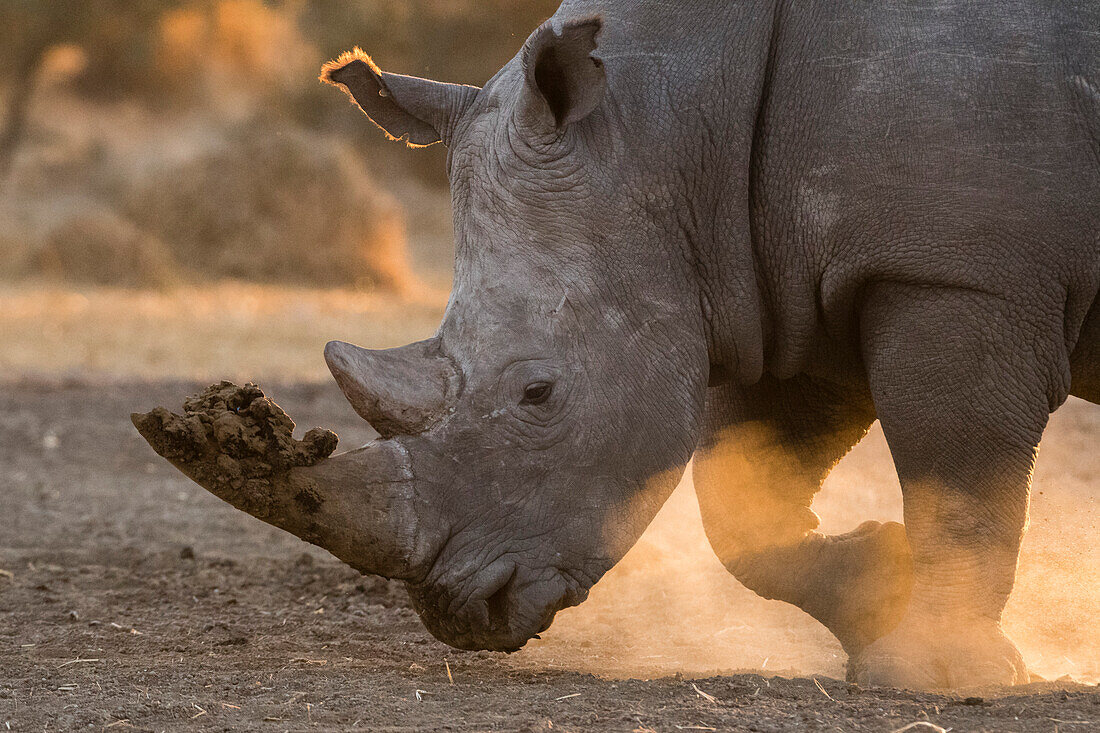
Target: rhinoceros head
<point>559,402</point>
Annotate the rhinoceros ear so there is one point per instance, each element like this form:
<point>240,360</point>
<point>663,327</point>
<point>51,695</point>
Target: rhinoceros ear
<point>565,80</point>
<point>419,111</point>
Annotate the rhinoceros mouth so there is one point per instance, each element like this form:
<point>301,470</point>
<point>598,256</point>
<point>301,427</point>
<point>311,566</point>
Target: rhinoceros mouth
<point>499,609</point>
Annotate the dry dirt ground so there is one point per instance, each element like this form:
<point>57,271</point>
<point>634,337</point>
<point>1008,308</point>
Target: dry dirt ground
<point>129,598</point>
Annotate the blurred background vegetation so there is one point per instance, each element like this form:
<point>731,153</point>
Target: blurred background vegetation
<point>160,143</point>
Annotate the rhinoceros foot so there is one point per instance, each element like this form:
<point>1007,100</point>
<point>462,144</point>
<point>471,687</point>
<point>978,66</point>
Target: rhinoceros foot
<point>863,582</point>
<point>234,441</point>
<point>856,584</point>
<point>928,654</point>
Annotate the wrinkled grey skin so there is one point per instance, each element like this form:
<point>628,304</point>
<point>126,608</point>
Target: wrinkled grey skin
<point>749,229</point>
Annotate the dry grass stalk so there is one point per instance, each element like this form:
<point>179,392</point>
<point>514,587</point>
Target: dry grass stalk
<point>76,661</point>
<point>705,696</point>
<point>921,725</point>
<point>823,692</point>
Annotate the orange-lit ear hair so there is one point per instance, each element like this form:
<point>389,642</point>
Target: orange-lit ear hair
<point>418,111</point>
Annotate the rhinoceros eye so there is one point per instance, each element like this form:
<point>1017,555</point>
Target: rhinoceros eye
<point>537,393</point>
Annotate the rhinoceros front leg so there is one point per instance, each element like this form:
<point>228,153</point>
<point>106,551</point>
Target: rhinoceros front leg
<point>964,383</point>
<point>767,450</point>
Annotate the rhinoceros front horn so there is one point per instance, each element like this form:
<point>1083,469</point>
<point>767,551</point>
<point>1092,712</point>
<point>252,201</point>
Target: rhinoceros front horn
<point>361,506</point>
<point>401,391</point>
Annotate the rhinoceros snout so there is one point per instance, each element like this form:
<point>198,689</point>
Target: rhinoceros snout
<point>501,609</point>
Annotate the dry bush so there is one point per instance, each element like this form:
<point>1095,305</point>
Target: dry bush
<point>100,248</point>
<point>276,205</point>
<point>230,56</point>
<point>13,254</point>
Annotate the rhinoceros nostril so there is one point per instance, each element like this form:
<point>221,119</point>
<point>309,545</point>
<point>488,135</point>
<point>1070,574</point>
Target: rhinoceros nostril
<point>497,603</point>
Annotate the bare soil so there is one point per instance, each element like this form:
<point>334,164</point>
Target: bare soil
<point>130,598</point>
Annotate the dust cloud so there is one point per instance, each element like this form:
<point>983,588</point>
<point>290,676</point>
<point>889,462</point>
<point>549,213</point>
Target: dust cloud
<point>670,607</point>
